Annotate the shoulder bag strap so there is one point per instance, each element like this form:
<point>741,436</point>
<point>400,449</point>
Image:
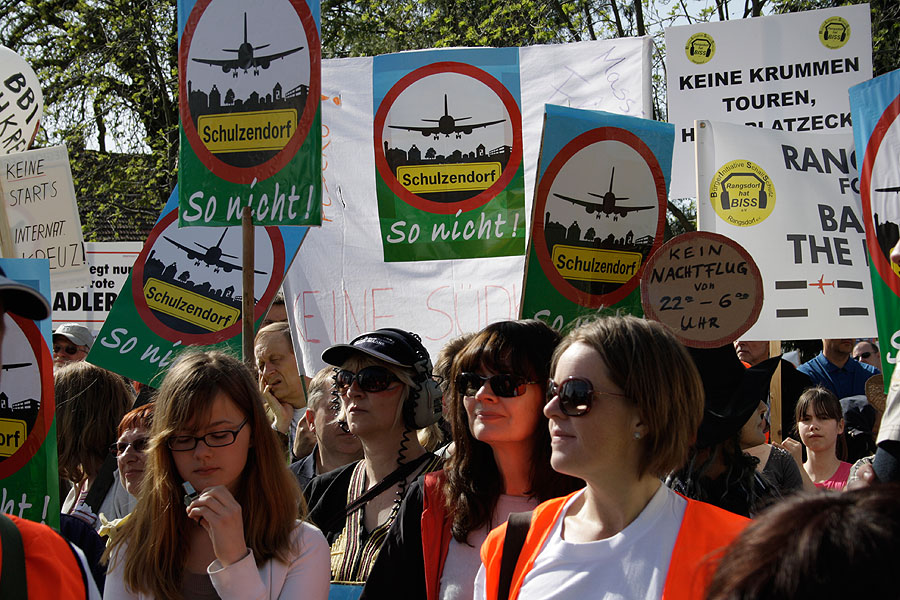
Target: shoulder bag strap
<point>517,527</point>
<point>101,485</point>
<point>13,582</point>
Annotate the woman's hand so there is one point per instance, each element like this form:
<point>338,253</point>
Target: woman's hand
<point>219,514</point>
<point>794,448</point>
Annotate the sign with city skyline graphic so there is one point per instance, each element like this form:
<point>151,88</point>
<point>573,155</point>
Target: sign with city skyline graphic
<point>599,213</point>
<point>448,154</point>
<point>185,290</point>
<point>249,87</point>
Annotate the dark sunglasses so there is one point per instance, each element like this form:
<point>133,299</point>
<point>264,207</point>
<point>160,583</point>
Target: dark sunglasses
<point>504,385</point>
<point>370,379</point>
<point>863,355</point>
<point>120,448</point>
<point>68,349</point>
<point>576,395</point>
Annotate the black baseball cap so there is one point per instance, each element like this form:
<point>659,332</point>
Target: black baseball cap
<point>393,346</point>
<point>22,300</point>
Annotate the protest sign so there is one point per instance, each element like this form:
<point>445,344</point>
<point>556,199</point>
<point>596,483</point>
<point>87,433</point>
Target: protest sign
<point>876,107</point>
<point>785,72</point>
<point>791,200</point>
<point>705,287</point>
<point>249,87</point>
<point>599,213</point>
<point>109,264</point>
<point>29,482</point>
<point>185,290</point>
<point>342,286</point>
<point>462,193</point>
<point>41,213</point>
<point>21,103</point>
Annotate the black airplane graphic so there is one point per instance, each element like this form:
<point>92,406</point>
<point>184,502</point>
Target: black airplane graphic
<point>889,189</point>
<point>212,256</point>
<point>446,125</point>
<point>15,366</point>
<point>608,206</point>
<point>245,58</point>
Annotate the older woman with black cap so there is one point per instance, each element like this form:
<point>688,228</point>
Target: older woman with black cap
<point>385,390</point>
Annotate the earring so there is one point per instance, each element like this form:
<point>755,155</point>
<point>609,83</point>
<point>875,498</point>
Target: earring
<point>637,435</point>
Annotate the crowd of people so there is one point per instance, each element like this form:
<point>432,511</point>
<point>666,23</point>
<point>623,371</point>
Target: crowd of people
<point>610,462</point>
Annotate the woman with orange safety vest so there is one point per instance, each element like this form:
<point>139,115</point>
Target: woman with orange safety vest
<point>624,404</point>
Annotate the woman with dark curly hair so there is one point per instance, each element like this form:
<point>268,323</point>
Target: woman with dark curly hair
<point>500,464</point>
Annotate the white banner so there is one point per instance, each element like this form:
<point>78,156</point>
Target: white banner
<point>21,103</point>
<point>339,286</point>
<point>109,264</point>
<point>789,72</point>
<point>40,213</point>
<point>792,200</point>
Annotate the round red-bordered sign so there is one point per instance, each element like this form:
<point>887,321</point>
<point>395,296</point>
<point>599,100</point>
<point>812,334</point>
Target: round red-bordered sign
<point>601,134</point>
<point>245,175</point>
<point>201,339</point>
<point>509,104</point>
<point>882,263</point>
<point>47,408</point>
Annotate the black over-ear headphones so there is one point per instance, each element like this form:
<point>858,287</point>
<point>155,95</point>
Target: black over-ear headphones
<point>426,396</point>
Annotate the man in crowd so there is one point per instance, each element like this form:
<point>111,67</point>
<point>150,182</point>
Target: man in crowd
<point>868,353</point>
<point>834,369</point>
<point>277,311</point>
<point>793,382</point>
<point>281,383</point>
<point>334,446</point>
<point>71,343</point>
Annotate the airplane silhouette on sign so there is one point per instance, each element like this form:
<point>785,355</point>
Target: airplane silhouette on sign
<point>212,256</point>
<point>246,59</point>
<point>889,189</point>
<point>608,207</point>
<point>821,284</point>
<point>446,125</point>
<point>15,366</point>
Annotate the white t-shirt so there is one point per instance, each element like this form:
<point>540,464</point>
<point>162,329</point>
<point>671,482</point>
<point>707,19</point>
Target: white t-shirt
<point>463,560</point>
<point>629,565</point>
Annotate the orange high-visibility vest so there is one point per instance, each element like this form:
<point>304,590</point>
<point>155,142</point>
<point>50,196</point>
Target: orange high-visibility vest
<point>51,569</point>
<point>705,532</point>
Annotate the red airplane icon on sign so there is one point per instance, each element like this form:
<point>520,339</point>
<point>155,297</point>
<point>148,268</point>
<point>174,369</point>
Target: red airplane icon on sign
<point>821,284</point>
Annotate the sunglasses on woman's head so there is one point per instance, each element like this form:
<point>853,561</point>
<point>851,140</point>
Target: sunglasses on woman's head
<point>370,379</point>
<point>576,395</point>
<point>504,385</point>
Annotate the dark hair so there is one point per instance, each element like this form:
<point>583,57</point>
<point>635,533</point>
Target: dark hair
<point>474,483</point>
<point>822,545</point>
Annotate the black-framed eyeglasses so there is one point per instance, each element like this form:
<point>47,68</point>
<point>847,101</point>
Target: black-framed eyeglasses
<point>504,385</point>
<point>863,355</point>
<point>67,348</point>
<point>213,439</point>
<point>370,379</point>
<point>576,395</point>
<point>119,448</point>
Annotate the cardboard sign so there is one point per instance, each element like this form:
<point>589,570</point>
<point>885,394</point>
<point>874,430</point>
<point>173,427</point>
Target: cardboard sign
<point>876,108</point>
<point>599,213</point>
<point>29,481</point>
<point>786,72</point>
<point>41,213</point>
<point>185,290</point>
<point>460,192</point>
<point>21,103</point>
<point>109,264</point>
<point>249,88</point>
<point>791,200</point>
<point>705,287</point>
<point>343,287</point>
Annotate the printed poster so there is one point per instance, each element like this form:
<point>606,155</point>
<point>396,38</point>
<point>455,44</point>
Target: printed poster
<point>249,85</point>
<point>792,200</point>
<point>448,153</point>
<point>876,106</point>
<point>185,290</point>
<point>785,72</point>
<point>29,479</point>
<point>599,213</point>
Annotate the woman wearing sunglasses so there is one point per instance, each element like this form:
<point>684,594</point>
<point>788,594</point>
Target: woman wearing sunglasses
<point>624,404</point>
<point>385,391</point>
<point>217,514</point>
<point>500,464</point>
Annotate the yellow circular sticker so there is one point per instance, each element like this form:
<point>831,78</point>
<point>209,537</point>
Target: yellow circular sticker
<point>834,32</point>
<point>700,48</point>
<point>742,193</point>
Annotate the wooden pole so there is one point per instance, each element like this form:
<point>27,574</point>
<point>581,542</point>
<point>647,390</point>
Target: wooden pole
<point>247,293</point>
<point>775,432</point>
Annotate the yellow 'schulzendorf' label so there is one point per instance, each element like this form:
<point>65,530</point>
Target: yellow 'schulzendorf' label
<point>247,131</point>
<point>589,264</point>
<point>420,179</point>
<point>12,436</point>
<point>189,306</point>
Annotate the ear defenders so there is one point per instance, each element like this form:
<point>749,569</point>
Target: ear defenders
<point>426,396</point>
